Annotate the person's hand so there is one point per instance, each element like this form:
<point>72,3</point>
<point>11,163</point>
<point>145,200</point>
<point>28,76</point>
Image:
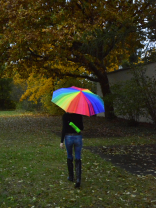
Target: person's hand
<point>61,145</point>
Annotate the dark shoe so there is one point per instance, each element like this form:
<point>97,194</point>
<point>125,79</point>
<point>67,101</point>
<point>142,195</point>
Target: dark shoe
<point>77,185</point>
<point>78,173</point>
<point>70,169</point>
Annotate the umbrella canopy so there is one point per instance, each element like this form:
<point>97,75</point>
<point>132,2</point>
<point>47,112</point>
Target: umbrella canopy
<point>78,100</point>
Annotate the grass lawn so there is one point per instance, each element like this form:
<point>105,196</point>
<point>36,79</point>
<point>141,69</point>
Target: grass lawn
<point>14,113</point>
<point>33,171</point>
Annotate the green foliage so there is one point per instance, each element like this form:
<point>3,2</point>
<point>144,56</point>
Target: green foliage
<point>16,92</point>
<point>125,64</point>
<point>50,107</point>
<point>2,68</point>
<point>5,91</point>
<point>25,105</point>
<point>135,97</point>
<point>147,86</point>
<point>126,98</point>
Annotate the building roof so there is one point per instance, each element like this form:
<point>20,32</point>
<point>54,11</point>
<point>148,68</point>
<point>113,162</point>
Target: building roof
<point>128,68</point>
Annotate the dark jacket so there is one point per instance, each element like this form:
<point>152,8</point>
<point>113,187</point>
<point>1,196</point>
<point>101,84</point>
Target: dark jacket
<point>77,119</point>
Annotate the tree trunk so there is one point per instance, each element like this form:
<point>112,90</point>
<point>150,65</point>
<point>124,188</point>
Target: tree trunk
<point>105,88</point>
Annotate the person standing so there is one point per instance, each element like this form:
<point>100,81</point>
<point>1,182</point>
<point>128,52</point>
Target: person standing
<point>72,139</point>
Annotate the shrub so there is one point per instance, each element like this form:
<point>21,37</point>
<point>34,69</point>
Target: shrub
<point>126,100</point>
<point>147,87</point>
<point>135,97</point>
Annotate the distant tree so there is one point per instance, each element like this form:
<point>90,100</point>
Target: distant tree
<point>5,90</point>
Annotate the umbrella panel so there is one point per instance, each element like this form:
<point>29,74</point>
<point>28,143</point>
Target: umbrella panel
<point>81,105</point>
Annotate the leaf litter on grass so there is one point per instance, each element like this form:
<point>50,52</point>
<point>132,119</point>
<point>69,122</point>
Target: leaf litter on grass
<point>36,169</point>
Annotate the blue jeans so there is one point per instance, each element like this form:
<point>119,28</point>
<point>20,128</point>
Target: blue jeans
<point>76,142</point>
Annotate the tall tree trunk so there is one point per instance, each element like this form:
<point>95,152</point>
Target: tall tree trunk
<point>105,88</point>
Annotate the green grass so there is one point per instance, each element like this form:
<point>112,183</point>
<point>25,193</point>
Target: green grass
<point>33,170</point>
<point>14,113</point>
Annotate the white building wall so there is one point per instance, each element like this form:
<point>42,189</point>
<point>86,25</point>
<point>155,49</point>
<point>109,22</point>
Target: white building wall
<point>123,75</point>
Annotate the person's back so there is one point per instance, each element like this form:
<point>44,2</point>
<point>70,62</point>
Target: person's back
<point>72,139</point>
<point>71,117</point>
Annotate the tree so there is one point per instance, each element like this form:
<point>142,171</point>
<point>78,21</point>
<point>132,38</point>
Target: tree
<point>87,38</point>
<point>5,92</point>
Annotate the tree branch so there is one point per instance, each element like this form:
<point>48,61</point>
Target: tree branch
<point>82,76</point>
<point>93,79</point>
<point>34,54</point>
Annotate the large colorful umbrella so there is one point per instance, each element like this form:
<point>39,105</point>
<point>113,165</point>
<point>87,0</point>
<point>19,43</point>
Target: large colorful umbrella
<point>78,100</point>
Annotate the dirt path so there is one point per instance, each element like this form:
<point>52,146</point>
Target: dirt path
<point>136,159</point>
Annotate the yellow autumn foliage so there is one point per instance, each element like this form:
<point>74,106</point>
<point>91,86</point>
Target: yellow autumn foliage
<point>37,86</point>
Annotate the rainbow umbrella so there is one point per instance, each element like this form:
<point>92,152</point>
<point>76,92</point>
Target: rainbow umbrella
<point>78,100</point>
